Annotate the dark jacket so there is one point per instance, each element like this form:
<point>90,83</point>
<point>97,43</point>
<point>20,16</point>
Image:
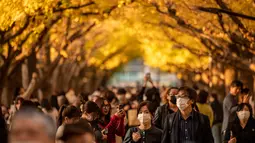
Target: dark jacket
<point>201,131</point>
<point>152,95</point>
<point>160,116</point>
<point>229,109</point>
<point>97,131</point>
<point>153,135</point>
<point>246,135</point>
<point>217,112</point>
<point>3,130</point>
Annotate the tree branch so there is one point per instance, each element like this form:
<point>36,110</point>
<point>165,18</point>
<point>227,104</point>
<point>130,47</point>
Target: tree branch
<point>218,10</point>
<point>74,7</point>
<point>20,31</point>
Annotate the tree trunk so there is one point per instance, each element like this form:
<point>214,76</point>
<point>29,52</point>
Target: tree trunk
<point>230,74</point>
<point>7,94</point>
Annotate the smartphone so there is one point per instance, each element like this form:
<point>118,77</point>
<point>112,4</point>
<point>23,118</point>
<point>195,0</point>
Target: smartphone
<point>148,76</point>
<point>121,107</point>
<point>105,132</point>
<point>135,130</point>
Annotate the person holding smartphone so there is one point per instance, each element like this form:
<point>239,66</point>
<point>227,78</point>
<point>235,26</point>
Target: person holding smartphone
<point>110,126</point>
<point>146,132</point>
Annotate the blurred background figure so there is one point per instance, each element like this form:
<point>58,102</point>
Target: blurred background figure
<point>167,109</point>
<point>3,129</point>
<point>79,132</point>
<point>217,117</point>
<point>49,110</point>
<point>91,114</point>
<point>203,107</point>
<point>67,115</point>
<point>30,125</point>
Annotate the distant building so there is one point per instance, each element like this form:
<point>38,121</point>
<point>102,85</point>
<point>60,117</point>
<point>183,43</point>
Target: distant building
<point>133,73</point>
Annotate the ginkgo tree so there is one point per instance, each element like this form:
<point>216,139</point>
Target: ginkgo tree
<point>79,44</point>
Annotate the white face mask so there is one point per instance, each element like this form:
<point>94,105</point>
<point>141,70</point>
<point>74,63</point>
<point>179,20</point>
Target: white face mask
<point>182,103</point>
<point>89,117</point>
<point>243,115</point>
<point>144,118</point>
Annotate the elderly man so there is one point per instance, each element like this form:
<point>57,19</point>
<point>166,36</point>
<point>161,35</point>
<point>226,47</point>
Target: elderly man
<point>32,126</point>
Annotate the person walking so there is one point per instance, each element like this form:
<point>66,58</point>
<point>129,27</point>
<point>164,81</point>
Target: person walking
<point>167,109</point>
<point>187,125</point>
<point>230,103</point>
<point>218,117</point>
<point>203,107</point>
<point>242,128</point>
<point>146,132</point>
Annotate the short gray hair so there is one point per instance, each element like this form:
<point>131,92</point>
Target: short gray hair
<point>38,117</point>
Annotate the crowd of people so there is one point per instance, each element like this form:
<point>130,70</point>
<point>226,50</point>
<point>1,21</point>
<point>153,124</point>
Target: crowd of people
<point>128,115</point>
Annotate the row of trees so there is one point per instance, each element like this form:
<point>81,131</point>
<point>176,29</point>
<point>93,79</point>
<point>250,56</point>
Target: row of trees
<point>79,44</point>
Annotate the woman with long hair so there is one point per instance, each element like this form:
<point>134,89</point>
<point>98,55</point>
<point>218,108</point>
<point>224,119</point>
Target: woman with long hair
<point>242,128</point>
<point>110,125</point>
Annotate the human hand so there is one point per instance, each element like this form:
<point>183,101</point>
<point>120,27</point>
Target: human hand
<point>233,140</point>
<point>246,99</point>
<point>104,137</point>
<point>120,113</point>
<point>136,136</point>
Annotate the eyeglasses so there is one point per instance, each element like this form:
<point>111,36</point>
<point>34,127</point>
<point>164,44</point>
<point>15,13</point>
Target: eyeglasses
<point>106,106</point>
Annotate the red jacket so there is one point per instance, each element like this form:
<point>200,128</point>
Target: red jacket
<point>115,127</point>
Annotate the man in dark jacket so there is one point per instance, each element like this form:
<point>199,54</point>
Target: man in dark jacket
<point>167,109</point>
<point>187,125</point>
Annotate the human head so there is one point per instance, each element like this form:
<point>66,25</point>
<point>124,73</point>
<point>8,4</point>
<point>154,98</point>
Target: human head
<point>79,132</point>
<point>104,107</point>
<point>243,112</point>
<point>45,104</point>
<point>4,112</point>
<point>27,104</point>
<point>121,95</point>
<point>202,96</point>
<point>235,87</point>
<point>151,94</point>
<point>29,125</point>
<point>68,114</point>
<point>186,98</point>
<point>145,111</point>
<point>18,102</point>
<point>213,97</point>
<point>171,95</point>
<point>91,111</point>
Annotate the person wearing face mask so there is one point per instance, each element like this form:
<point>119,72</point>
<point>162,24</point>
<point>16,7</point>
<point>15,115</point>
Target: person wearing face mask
<point>242,128</point>
<point>110,126</point>
<point>146,132</point>
<point>187,125</point>
<point>91,113</point>
<point>167,109</point>
<point>230,103</point>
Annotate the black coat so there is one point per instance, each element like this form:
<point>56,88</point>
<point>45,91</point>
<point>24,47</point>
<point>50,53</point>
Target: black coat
<point>152,135</point>
<point>160,115</point>
<point>246,135</point>
<point>201,131</point>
